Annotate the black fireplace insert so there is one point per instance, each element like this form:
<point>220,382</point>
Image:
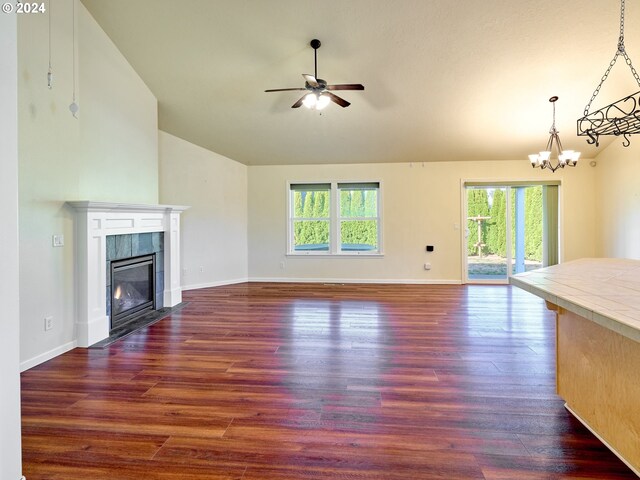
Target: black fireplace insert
<point>132,288</point>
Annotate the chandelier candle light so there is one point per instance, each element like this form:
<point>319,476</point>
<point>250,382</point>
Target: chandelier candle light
<point>566,158</point>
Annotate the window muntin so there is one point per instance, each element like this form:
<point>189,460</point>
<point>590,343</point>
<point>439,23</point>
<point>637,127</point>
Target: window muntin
<point>334,218</point>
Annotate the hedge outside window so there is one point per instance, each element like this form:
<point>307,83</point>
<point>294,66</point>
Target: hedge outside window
<point>311,204</point>
<point>334,218</point>
<point>359,221</point>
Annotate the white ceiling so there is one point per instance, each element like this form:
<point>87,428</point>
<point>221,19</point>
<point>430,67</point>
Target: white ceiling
<point>444,79</point>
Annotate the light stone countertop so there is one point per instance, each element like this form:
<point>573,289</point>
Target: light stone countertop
<point>604,290</point>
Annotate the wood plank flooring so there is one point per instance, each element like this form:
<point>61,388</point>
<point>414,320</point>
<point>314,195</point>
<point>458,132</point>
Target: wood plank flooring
<point>309,381</point>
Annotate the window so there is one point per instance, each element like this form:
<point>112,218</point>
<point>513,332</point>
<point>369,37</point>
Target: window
<point>359,217</point>
<point>310,222</point>
<point>334,218</point>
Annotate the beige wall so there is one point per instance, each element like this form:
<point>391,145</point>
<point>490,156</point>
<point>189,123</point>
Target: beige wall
<point>63,158</point>
<point>421,205</point>
<point>10,456</point>
<point>214,229</point>
<point>618,200</point>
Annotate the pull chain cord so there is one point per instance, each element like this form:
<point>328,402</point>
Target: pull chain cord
<point>74,108</point>
<point>50,72</point>
<point>620,51</point>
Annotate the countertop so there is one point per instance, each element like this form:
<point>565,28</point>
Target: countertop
<point>604,290</point>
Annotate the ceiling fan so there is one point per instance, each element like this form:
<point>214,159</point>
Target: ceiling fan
<point>319,93</point>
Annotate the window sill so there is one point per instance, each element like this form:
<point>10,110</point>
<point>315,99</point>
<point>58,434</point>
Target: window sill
<point>335,255</point>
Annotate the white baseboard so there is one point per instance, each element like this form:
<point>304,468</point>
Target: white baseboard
<point>214,284</point>
<point>405,281</point>
<point>43,357</point>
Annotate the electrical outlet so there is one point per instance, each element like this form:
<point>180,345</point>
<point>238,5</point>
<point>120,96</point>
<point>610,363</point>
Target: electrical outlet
<point>427,266</point>
<point>48,323</point>
<point>282,265</point>
<point>201,269</point>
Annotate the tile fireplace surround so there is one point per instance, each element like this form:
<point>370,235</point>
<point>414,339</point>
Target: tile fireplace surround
<point>96,220</point>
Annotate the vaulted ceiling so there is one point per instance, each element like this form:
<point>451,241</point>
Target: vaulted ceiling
<point>444,79</point>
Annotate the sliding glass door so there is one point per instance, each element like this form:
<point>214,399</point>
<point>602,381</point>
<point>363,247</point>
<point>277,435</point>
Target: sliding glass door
<point>509,229</point>
<point>487,233</point>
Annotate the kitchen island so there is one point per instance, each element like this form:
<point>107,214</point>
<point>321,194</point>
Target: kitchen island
<point>597,305</point>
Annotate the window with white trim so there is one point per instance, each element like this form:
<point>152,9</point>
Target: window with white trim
<point>334,218</point>
<point>310,206</point>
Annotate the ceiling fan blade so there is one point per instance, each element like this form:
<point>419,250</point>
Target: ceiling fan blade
<point>299,102</point>
<point>311,80</point>
<point>284,89</point>
<point>346,86</point>
<point>336,99</point>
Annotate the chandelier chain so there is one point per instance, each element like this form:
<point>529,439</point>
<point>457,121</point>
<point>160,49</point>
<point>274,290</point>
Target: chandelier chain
<point>620,51</point>
<point>621,22</point>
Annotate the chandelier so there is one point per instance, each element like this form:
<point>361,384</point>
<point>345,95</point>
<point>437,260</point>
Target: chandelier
<point>566,158</point>
<point>619,118</point>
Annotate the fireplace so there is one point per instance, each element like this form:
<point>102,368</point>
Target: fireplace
<point>132,289</point>
<point>107,232</point>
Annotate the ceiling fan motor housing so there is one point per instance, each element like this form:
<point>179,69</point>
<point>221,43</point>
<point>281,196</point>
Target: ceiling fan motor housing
<point>322,85</point>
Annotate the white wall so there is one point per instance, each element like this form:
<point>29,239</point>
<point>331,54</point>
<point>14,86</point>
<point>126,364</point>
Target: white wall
<point>214,229</point>
<point>63,158</point>
<point>10,455</point>
<point>618,195</point>
<point>421,206</point>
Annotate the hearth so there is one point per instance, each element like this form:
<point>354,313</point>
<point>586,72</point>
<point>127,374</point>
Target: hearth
<point>132,288</point>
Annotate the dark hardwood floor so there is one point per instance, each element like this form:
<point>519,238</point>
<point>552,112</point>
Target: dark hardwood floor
<point>291,381</point>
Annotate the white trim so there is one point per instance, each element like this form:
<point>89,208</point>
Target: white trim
<point>615,452</point>
<point>509,251</point>
<point>219,283</point>
<point>46,356</point>
<point>468,182</point>
<point>405,281</point>
<point>463,232</point>
<point>334,255</point>
<point>487,281</point>
<point>125,207</point>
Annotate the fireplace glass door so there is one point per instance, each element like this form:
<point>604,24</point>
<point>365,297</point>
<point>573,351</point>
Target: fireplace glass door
<point>132,289</point>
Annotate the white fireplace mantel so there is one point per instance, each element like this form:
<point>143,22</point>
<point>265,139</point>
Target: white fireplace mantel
<point>96,220</point>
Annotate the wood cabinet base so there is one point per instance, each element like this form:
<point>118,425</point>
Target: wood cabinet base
<point>598,375</point>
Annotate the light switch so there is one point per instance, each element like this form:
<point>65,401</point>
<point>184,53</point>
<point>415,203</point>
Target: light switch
<point>58,240</point>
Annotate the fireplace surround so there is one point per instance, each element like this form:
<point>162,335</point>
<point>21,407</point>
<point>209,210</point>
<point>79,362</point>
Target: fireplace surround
<point>95,221</point>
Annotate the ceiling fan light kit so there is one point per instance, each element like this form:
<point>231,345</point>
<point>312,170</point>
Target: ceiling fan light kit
<point>315,101</point>
<point>619,118</point>
<point>566,158</point>
<point>318,94</point>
